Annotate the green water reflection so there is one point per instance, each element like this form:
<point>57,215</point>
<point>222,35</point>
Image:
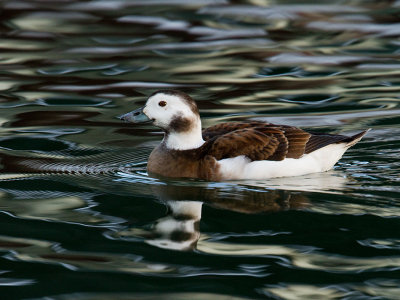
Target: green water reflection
<point>78,208</point>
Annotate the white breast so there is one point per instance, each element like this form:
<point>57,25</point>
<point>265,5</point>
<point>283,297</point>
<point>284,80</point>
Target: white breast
<point>321,160</point>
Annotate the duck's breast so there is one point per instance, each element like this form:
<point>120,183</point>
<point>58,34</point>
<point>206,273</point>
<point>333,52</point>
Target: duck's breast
<point>171,164</point>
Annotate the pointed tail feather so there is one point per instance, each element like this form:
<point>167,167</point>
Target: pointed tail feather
<point>356,138</point>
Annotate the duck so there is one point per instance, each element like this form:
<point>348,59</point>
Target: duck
<point>248,150</point>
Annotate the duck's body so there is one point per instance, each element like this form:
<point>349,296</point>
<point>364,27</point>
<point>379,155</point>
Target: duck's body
<point>232,151</point>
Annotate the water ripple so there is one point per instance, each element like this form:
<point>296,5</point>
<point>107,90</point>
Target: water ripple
<point>306,259</point>
<point>76,200</point>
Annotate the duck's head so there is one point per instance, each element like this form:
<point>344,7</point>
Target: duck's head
<point>176,113</point>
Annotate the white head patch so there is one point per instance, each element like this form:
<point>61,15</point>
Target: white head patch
<point>170,112</point>
<point>177,114</point>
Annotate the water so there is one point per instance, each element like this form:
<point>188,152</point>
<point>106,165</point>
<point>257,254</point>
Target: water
<point>81,219</point>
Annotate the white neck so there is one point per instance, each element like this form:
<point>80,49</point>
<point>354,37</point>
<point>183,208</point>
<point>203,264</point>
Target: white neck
<point>185,140</point>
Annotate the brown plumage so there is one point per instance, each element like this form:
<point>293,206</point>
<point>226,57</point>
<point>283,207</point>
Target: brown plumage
<point>266,141</point>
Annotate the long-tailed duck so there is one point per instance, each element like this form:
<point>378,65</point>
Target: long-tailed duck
<point>235,150</point>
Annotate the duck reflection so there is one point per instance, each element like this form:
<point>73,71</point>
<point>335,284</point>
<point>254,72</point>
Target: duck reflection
<point>180,228</point>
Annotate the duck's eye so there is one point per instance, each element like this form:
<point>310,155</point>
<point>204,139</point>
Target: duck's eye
<point>162,103</point>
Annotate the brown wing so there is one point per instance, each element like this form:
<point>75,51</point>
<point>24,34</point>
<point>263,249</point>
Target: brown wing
<point>318,140</point>
<point>297,139</point>
<point>289,142</point>
<point>248,141</point>
<point>266,141</point>
<point>223,128</point>
<point>276,133</point>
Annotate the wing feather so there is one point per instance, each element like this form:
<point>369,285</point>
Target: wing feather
<point>223,128</point>
<point>248,141</point>
<point>283,143</point>
<point>266,141</point>
<point>297,139</point>
<point>318,141</point>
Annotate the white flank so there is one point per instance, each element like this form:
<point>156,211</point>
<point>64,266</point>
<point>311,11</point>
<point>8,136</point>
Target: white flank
<point>321,160</point>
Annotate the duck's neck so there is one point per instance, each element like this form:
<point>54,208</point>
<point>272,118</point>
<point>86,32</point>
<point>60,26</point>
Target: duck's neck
<point>185,140</point>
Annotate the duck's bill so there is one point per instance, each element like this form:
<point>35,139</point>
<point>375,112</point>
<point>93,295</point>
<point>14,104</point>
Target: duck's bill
<point>136,116</point>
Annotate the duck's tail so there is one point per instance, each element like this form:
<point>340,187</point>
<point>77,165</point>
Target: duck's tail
<point>352,140</point>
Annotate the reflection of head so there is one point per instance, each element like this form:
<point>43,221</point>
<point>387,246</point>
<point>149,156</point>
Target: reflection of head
<point>179,230</point>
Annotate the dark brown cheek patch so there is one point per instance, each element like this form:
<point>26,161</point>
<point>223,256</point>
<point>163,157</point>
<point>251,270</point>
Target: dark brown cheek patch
<point>180,124</point>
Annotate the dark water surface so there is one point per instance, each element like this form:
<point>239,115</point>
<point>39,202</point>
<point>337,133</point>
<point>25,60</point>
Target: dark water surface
<point>81,219</point>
